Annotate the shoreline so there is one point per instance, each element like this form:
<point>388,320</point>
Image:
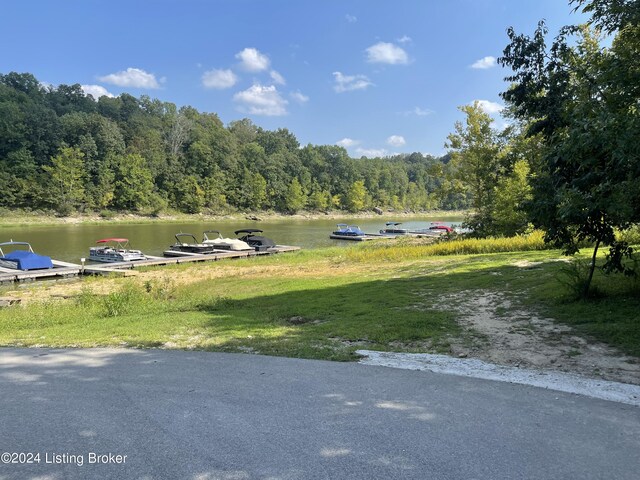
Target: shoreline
<point>20,219</point>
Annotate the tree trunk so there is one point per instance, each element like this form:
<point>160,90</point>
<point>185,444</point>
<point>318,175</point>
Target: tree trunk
<point>592,268</point>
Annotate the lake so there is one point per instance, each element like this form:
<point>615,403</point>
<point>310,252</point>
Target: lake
<point>71,242</point>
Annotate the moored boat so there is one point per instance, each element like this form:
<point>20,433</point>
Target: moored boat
<point>232,244</point>
<point>440,226</point>
<point>345,230</point>
<point>113,250</point>
<point>391,228</point>
<point>258,242</point>
<point>25,259</point>
<point>184,246</point>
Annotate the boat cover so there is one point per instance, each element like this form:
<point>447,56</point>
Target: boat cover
<point>28,260</point>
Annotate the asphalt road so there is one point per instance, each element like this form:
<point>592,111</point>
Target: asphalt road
<point>198,415</point>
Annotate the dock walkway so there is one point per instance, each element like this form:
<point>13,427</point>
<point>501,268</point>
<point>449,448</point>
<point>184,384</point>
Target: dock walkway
<point>65,269</point>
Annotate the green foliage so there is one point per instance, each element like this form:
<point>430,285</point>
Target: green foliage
<point>575,275</point>
<point>512,193</point>
<point>355,198</point>
<point>295,199</point>
<point>190,197</point>
<point>493,169</point>
<point>66,175</point>
<point>581,98</point>
<point>142,154</point>
<point>251,192</point>
<point>133,184</point>
<point>122,301</point>
<point>459,246</point>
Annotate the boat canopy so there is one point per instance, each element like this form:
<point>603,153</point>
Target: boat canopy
<point>393,224</point>
<point>11,243</point>
<point>248,230</point>
<point>190,235</point>
<point>119,240</point>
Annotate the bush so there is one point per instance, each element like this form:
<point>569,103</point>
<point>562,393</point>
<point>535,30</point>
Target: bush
<point>122,301</point>
<point>412,248</point>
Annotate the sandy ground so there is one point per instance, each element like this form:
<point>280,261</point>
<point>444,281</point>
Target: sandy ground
<point>498,333</point>
<point>10,219</point>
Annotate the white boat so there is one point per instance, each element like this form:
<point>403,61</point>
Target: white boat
<point>221,243</point>
<point>111,250</point>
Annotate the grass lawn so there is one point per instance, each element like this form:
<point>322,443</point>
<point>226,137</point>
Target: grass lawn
<point>319,304</point>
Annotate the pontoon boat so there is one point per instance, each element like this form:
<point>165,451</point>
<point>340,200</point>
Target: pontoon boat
<point>114,250</point>
<point>392,229</point>
<point>348,230</point>
<point>183,245</point>
<point>23,259</point>
<point>258,242</point>
<point>233,244</point>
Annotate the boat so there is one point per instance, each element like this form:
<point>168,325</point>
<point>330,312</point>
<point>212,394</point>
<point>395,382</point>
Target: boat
<point>25,259</point>
<point>345,230</point>
<point>232,244</point>
<point>258,242</point>
<point>111,250</point>
<point>184,246</point>
<point>440,226</point>
<point>392,229</point>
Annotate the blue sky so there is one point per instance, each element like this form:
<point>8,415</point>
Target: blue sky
<point>378,77</point>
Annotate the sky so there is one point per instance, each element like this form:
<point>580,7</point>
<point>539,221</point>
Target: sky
<point>379,77</point>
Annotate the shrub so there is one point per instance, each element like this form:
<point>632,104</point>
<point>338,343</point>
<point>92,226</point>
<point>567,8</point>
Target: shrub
<point>122,301</point>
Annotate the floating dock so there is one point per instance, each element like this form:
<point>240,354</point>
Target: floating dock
<point>361,238</point>
<point>66,270</point>
<point>60,270</point>
<point>378,236</point>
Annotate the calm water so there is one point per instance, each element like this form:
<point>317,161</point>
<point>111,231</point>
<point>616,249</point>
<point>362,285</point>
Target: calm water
<point>71,242</point>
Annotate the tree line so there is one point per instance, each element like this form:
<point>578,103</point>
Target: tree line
<point>63,150</point>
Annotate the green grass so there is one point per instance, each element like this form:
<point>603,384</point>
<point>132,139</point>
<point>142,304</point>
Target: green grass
<point>323,304</point>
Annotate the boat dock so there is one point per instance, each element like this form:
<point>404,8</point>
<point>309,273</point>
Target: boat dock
<point>67,270</point>
<point>378,236</point>
<point>361,238</point>
<point>59,270</point>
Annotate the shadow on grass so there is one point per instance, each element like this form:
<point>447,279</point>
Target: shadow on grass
<point>315,320</point>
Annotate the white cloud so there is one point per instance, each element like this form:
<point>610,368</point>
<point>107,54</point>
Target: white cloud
<point>404,39</point>
<point>277,78</point>
<point>252,60</point>
<point>219,79</point>
<point>351,18</point>
<point>371,152</point>
<point>131,77</point>
<point>348,83</point>
<point>484,63</point>
<point>420,112</point>
<point>347,142</point>
<point>489,107</point>
<point>396,141</point>
<point>261,100</point>
<point>383,52</point>
<point>96,91</point>
<point>299,97</point>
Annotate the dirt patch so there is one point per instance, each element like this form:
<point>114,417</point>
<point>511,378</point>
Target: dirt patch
<point>497,332</point>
